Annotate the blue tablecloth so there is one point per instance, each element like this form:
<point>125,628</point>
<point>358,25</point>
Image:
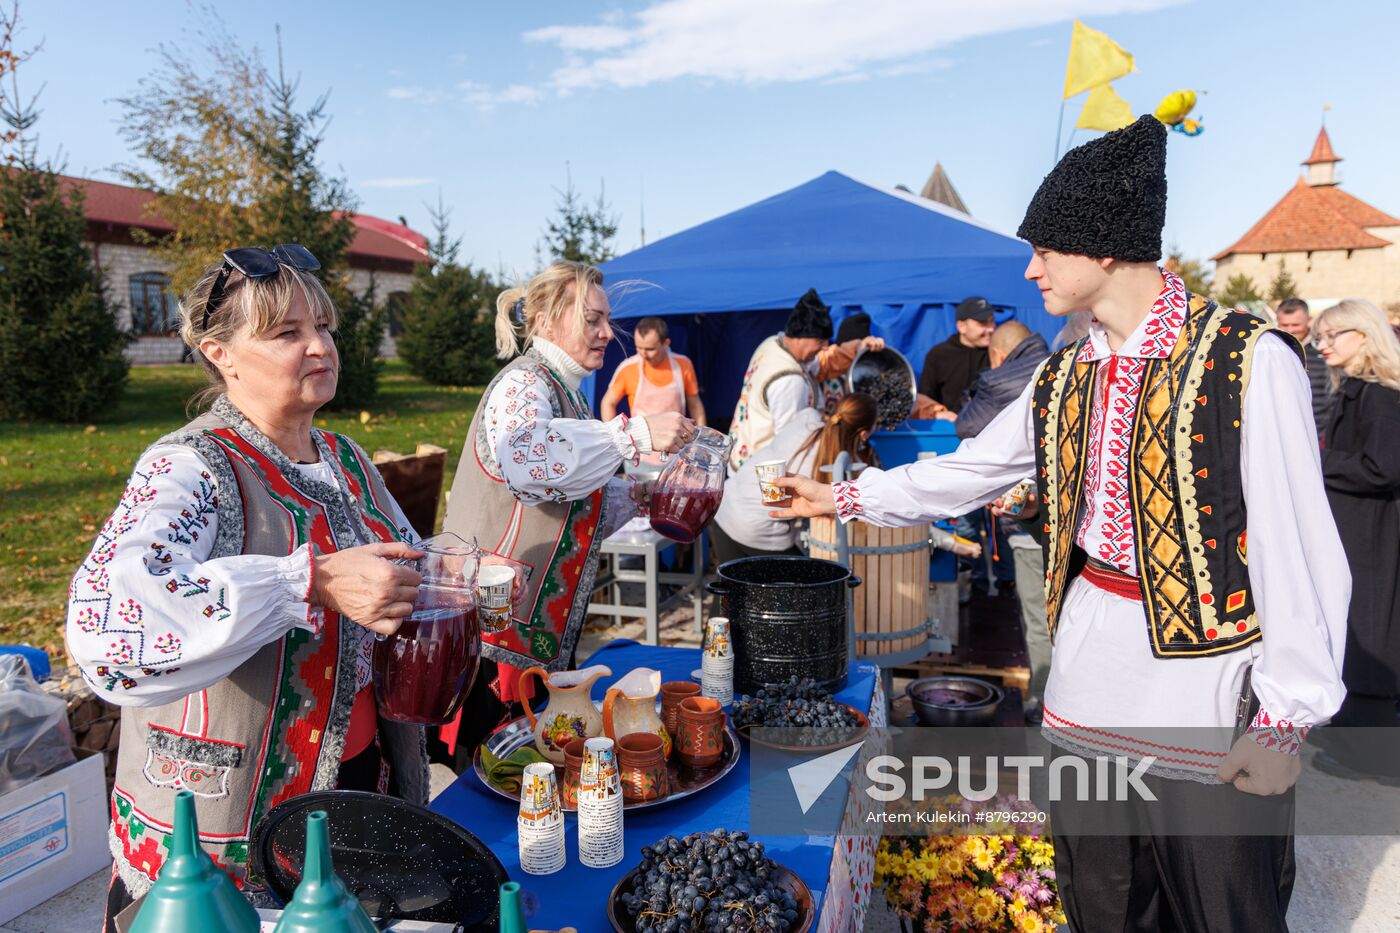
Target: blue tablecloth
<point>577,896</point>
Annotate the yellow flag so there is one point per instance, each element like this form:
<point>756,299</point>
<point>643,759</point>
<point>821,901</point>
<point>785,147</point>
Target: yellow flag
<point>1094,59</point>
<point>1105,110</point>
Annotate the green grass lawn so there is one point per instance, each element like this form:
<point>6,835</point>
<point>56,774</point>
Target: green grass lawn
<point>59,482</point>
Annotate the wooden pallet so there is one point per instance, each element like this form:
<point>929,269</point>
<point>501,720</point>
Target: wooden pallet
<point>1018,677</point>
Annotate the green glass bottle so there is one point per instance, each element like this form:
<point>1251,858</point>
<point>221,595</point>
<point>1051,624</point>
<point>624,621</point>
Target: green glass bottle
<point>191,892</point>
<point>512,917</point>
<point>322,903</point>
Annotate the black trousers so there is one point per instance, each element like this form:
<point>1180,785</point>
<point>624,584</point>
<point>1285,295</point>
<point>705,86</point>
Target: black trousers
<point>1156,881</point>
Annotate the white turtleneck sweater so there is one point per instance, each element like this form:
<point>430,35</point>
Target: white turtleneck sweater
<point>548,458</point>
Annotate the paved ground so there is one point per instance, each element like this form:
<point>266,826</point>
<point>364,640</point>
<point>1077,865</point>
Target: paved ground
<point>1344,883</point>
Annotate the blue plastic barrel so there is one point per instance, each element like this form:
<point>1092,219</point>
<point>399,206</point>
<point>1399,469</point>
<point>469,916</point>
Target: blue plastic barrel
<point>905,443</point>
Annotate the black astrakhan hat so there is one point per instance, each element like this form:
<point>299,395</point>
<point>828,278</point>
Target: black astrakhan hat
<point>810,318</point>
<point>1106,198</point>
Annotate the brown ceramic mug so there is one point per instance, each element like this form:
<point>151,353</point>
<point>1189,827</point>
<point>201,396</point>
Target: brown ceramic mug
<point>573,769</point>
<point>671,696</point>
<point>641,764</point>
<point>700,737</point>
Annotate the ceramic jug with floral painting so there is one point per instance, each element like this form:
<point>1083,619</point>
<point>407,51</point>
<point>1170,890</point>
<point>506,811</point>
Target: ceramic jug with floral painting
<point>630,706</point>
<point>569,714</point>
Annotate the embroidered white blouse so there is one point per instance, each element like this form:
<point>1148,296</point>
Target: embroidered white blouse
<point>151,618</point>
<point>1298,572</point>
<point>547,458</point>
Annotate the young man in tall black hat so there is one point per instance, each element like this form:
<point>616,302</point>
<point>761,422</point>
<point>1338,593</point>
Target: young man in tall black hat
<point>1191,560</point>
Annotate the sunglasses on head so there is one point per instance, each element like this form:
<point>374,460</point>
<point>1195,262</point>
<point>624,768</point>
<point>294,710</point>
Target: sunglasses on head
<point>257,263</point>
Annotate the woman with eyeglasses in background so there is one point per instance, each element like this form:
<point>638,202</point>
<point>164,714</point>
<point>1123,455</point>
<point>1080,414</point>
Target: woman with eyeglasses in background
<point>1361,468</point>
<point>230,602</point>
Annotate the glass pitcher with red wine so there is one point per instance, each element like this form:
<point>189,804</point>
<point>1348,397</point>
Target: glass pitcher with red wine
<point>424,670</point>
<point>688,491</point>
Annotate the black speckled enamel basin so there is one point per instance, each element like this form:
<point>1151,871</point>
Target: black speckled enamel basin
<point>787,616</point>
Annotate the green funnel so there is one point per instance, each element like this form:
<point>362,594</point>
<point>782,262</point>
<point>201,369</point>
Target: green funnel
<point>322,904</point>
<point>512,917</point>
<point>191,892</point>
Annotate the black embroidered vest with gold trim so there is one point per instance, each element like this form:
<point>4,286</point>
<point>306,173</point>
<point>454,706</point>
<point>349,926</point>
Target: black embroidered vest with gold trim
<point>1186,491</point>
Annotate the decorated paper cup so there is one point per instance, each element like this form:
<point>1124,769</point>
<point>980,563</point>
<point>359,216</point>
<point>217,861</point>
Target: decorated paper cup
<point>494,585</point>
<point>774,497</point>
<point>717,644</point>
<point>539,795</point>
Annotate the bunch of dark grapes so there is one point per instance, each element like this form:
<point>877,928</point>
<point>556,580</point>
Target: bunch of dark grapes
<point>798,704</point>
<point>717,882</point>
<point>893,395</point>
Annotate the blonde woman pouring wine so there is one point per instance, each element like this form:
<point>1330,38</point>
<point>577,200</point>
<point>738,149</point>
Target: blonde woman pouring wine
<point>536,482</point>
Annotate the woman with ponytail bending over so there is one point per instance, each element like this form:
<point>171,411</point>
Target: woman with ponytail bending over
<point>742,527</point>
<point>537,480</point>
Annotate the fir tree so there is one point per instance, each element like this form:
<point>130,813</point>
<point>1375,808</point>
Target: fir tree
<point>300,203</point>
<point>60,346</point>
<point>1282,287</point>
<point>449,325</point>
<point>357,340</point>
<point>234,161</point>
<point>580,232</point>
<point>1239,289</point>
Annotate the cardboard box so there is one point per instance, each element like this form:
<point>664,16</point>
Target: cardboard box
<point>53,834</point>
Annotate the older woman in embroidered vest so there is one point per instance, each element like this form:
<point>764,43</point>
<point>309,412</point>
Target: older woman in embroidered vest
<point>230,602</point>
<point>537,481</point>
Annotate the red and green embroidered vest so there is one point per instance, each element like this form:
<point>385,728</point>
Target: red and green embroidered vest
<point>557,541</point>
<point>1186,491</point>
<point>276,727</point>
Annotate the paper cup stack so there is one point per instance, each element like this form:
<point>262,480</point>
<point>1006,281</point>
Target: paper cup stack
<point>717,662</point>
<point>599,805</point>
<point>541,821</point>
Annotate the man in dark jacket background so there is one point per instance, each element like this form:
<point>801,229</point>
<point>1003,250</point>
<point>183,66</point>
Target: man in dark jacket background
<point>1292,317</point>
<point>952,366</point>
<point>1015,352</point>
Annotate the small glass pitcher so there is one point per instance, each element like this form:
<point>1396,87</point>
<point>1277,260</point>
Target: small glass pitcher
<point>424,670</point>
<point>688,491</point>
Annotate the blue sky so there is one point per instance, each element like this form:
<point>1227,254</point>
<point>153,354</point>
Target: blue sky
<point>697,107</point>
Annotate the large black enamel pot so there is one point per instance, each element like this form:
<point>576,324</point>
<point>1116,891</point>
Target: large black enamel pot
<point>401,861</point>
<point>787,617</point>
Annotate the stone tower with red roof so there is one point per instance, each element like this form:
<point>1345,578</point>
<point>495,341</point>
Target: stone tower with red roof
<point>1334,245</point>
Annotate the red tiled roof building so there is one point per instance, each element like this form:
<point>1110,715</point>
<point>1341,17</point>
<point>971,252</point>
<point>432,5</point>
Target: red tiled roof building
<point>1332,244</point>
<point>138,285</point>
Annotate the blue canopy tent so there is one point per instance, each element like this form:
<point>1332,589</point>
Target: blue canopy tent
<point>726,284</point>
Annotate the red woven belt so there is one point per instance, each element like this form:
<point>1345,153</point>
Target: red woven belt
<point>1112,580</point>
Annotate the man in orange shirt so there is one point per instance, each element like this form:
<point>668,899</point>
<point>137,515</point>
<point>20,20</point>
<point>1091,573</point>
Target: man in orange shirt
<point>654,379</point>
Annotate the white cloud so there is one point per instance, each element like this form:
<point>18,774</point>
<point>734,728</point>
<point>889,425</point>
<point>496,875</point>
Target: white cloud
<point>789,40</point>
<point>854,77</point>
<point>583,38</point>
<point>421,95</point>
<point>748,42</point>
<point>486,98</point>
<point>397,182</point>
